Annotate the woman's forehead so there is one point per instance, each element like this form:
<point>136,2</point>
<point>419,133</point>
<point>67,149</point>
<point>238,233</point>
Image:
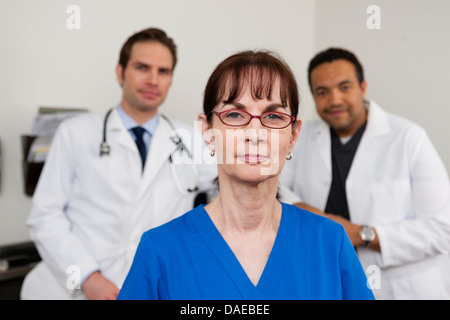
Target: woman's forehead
<point>256,87</point>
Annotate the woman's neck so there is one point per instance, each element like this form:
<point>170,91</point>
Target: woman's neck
<point>246,208</point>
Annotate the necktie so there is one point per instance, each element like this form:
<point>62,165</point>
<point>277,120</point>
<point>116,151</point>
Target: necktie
<point>139,132</point>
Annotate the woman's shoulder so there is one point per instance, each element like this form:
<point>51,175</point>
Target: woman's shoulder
<point>173,230</point>
<point>312,223</point>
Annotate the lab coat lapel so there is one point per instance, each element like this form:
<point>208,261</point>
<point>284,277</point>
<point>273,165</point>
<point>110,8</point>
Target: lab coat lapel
<point>115,124</point>
<point>160,149</point>
<point>377,126</point>
<point>323,143</point>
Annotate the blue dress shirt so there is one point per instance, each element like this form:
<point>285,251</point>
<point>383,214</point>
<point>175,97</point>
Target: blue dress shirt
<point>150,126</point>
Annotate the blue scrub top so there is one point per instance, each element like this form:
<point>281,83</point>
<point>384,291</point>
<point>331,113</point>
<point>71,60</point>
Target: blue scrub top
<point>187,259</point>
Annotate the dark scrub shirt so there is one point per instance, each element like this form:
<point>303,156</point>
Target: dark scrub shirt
<point>342,157</point>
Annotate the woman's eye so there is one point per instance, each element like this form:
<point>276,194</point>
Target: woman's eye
<point>233,115</point>
<point>273,116</point>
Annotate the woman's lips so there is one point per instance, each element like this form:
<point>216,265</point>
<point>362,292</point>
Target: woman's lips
<point>254,158</point>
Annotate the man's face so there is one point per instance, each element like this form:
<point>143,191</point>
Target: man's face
<point>339,96</point>
<point>147,77</point>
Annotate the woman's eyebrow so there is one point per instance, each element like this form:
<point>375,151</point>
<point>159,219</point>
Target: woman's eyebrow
<point>237,105</point>
<point>271,107</point>
<point>275,106</point>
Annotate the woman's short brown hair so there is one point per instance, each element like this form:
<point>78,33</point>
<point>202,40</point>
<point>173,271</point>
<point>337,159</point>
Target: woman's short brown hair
<point>150,34</point>
<point>257,69</point>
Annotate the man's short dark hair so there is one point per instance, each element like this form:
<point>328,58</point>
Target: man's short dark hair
<point>333,54</point>
<point>150,34</point>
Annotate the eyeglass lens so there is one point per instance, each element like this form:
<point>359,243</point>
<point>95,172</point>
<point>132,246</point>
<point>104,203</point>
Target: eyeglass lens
<point>269,119</point>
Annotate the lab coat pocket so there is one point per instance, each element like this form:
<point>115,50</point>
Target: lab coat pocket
<point>391,201</point>
<point>425,285</point>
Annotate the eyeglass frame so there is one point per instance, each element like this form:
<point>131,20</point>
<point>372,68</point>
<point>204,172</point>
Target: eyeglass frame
<point>252,117</point>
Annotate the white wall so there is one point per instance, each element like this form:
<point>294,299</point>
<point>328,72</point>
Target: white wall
<point>406,62</point>
<point>42,62</point>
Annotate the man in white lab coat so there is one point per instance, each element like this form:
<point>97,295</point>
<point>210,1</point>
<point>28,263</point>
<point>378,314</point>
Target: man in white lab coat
<point>90,209</point>
<point>380,177</point>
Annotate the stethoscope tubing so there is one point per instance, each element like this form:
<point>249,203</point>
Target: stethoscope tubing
<point>105,149</point>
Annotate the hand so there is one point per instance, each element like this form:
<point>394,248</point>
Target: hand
<point>97,287</point>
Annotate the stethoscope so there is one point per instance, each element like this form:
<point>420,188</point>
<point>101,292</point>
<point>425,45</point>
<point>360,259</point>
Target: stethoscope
<point>180,147</point>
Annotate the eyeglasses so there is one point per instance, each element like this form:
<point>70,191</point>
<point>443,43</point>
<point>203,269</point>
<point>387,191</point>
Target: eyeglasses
<point>240,118</point>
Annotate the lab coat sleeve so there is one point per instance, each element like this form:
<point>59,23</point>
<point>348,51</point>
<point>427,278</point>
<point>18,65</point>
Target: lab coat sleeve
<point>427,232</point>
<point>49,226</point>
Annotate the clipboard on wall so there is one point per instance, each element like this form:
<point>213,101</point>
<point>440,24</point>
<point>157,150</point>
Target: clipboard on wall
<point>31,170</point>
<point>36,145</point>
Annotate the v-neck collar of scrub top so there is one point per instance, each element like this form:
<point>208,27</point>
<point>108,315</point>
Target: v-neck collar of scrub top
<point>273,268</point>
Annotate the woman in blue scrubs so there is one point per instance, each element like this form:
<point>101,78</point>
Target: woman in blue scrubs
<point>246,244</point>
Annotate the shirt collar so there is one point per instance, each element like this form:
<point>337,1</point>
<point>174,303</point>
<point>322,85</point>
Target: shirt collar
<point>129,123</point>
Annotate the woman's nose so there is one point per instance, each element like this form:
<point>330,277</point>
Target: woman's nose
<point>255,132</point>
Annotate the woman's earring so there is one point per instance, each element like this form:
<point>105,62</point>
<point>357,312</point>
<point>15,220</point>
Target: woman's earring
<point>289,157</point>
<point>212,153</point>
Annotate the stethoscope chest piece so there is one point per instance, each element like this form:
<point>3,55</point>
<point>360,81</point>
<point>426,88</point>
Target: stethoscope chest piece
<point>104,149</point>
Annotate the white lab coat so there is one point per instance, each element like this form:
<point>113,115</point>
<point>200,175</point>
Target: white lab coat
<point>89,212</point>
<point>398,184</point>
